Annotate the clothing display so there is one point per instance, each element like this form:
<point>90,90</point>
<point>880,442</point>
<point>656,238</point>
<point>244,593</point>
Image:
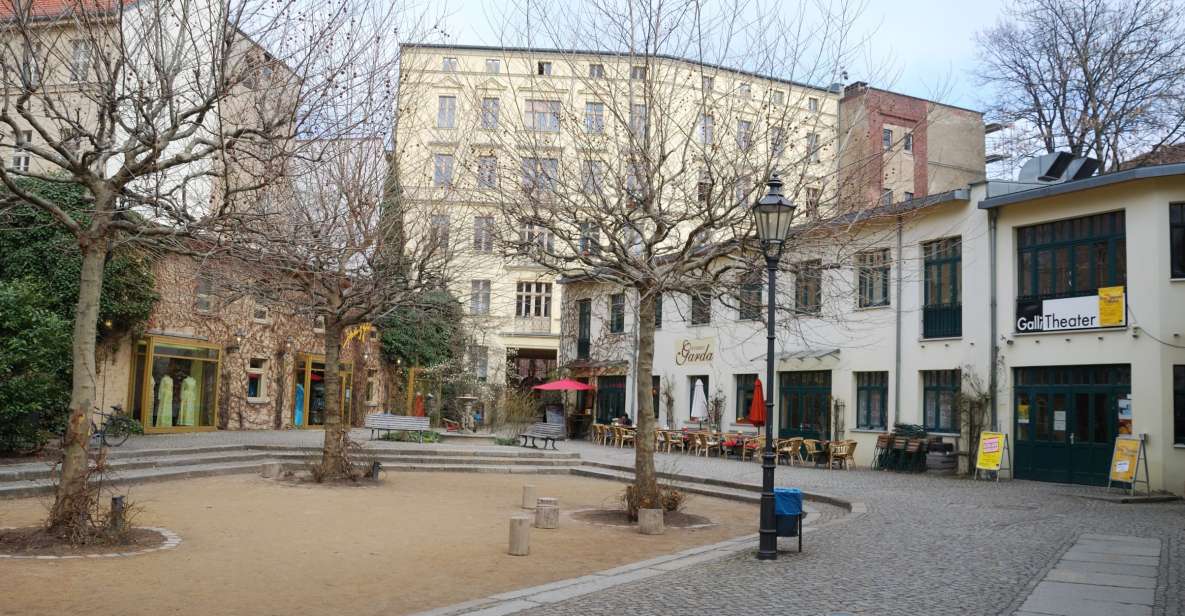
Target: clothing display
<point>164,403</point>
<point>189,402</point>
<point>298,409</point>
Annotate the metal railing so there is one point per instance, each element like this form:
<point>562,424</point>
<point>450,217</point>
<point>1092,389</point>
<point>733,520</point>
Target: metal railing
<point>942,321</point>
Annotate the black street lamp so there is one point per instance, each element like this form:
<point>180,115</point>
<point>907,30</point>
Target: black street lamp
<point>773,214</point>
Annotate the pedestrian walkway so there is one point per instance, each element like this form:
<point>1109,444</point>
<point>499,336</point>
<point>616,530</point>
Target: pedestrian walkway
<point>1107,575</point>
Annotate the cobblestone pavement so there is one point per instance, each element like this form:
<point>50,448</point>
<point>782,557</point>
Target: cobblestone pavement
<point>928,545</point>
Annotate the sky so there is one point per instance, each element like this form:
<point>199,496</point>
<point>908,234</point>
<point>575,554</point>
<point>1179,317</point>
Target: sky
<point>928,45</point>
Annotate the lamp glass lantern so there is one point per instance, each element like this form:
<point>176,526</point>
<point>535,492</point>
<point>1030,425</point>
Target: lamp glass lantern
<point>773,214</point>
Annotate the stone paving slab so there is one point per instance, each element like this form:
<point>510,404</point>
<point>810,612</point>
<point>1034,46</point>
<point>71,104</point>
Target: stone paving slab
<point>1077,553</point>
<point>1092,592</point>
<point>1108,590</point>
<point>1061,574</point>
<point>1067,606</point>
<point>1107,568</point>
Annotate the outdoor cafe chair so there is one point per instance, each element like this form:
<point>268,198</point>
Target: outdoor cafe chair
<point>753,448</point>
<point>674,441</point>
<point>851,454</point>
<point>625,436</point>
<point>811,451</point>
<point>791,448</point>
<point>838,454</point>
<point>880,451</point>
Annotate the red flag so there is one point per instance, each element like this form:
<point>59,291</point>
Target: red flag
<point>757,408</point>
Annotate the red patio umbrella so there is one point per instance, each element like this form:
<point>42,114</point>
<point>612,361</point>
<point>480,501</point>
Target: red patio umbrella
<point>564,385</point>
<point>757,408</point>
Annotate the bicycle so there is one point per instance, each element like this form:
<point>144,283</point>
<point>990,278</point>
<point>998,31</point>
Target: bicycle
<point>115,427</point>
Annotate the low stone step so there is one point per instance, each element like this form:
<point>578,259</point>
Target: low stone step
<point>474,460</point>
<point>26,472</point>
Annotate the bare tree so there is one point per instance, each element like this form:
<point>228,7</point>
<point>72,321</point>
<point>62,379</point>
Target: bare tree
<point>172,116</point>
<point>1099,78</point>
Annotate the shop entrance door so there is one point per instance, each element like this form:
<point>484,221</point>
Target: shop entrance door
<point>1066,420</point>
<point>610,398</point>
<point>805,404</point>
<point>308,397</point>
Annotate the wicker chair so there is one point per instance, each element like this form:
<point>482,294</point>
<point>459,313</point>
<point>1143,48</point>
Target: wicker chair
<point>811,452</point>
<point>838,454</point>
<point>792,449</point>
<point>753,448</point>
<point>880,452</point>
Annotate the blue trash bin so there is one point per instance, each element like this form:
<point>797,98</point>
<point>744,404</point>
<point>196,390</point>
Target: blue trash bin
<point>788,513</point>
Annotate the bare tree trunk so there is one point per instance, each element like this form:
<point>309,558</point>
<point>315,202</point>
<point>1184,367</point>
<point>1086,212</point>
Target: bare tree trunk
<point>645,477</point>
<point>334,460</point>
<point>71,498</point>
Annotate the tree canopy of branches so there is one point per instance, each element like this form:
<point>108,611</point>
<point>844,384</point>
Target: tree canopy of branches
<point>1099,78</point>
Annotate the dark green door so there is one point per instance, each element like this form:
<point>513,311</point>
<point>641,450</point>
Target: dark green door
<point>610,398</point>
<point>1066,420</point>
<point>805,404</point>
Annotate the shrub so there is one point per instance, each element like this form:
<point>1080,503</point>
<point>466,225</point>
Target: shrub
<point>401,436</point>
<point>672,500</point>
<point>34,367</point>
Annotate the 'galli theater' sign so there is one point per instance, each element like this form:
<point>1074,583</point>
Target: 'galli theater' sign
<point>1106,309</point>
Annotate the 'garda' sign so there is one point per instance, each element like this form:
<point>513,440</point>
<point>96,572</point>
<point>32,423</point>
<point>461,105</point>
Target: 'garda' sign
<point>1106,309</point>
<point>694,351</point>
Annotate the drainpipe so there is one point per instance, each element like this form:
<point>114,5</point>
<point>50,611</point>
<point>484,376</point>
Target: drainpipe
<point>897,347</point>
<point>992,310</point>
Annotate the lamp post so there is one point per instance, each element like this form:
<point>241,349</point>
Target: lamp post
<point>773,214</point>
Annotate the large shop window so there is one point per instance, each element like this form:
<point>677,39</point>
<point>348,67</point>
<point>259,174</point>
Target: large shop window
<point>746,383</point>
<point>175,384</point>
<point>942,314</point>
<point>940,389</point>
<point>1179,405</point>
<point>872,395</point>
<point>1071,258</point>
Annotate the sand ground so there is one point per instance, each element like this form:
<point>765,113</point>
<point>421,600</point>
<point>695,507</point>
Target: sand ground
<point>255,546</point>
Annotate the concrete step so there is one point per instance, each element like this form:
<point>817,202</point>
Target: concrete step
<point>26,472</point>
<point>738,494</point>
<point>400,449</point>
<point>386,458</point>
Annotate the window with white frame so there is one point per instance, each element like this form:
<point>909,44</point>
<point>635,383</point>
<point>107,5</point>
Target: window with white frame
<point>707,129</point>
<point>637,72</point>
<point>260,314</point>
<point>538,235</point>
<point>442,170</point>
<point>479,296</point>
<point>256,379</point>
<point>887,139</point>
<point>777,97</point>
<point>596,71</point>
<point>20,152</point>
<point>594,118</point>
<point>592,176</point>
<point>487,171</point>
<point>543,116</point>
<point>907,142</point>
<point>744,134</point>
<point>490,109</point>
<point>777,141</point>
<point>812,104</point>
<point>873,268</point>
<point>483,233</point>
<point>540,174</point>
<point>81,56</point>
<point>493,65</point>
<point>617,313</point>
<point>887,197</point>
<point>31,64</point>
<point>638,119</point>
<point>590,238</point>
<point>438,231</point>
<point>812,148</point>
<point>448,65</point>
<point>543,68</point>
<point>532,299</point>
<point>745,90</point>
<point>479,362</point>
<point>707,83</point>
<point>446,112</point>
<point>319,324</point>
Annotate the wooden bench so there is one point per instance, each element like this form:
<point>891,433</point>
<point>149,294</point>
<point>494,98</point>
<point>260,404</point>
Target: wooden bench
<point>386,422</point>
<point>549,432</point>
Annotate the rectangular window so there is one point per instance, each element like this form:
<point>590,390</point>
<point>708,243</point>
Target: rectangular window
<point>543,68</point>
<point>487,171</point>
<point>594,118</point>
<point>446,112</point>
<point>872,400</point>
<point>907,142</point>
<point>592,176</point>
<point>777,141</point>
<point>203,294</point>
<point>873,268</point>
<point>490,109</point>
<point>442,170</point>
<point>745,90</point>
<point>20,153</point>
<point>596,71</point>
<point>479,362</point>
<point>1071,258</point>
<point>658,311</point>
<point>707,129</point>
<point>543,116</point>
<point>744,134</point>
<point>942,308</point>
<point>479,297</point>
<point>812,104</point>
<point>746,384</point>
<point>448,65</point>
<point>887,139</point>
<point>31,64</point>
<point>940,390</point>
<point>372,387</point>
<point>483,233</point>
<point>583,328</point>
<point>617,313</point>
<point>1177,239</point>
<point>812,148</point>
<point>493,65</point>
<point>438,230</point>
<point>701,309</point>
<point>707,84</point>
<point>749,297</point>
<point>887,197</point>
<point>777,97</point>
<point>260,314</point>
<point>81,55</point>
<point>638,119</point>
<point>540,174</point>
<point>532,299</point>
<point>637,72</point>
<point>256,379</point>
<point>907,196</point>
<point>808,287</point>
<point>1179,405</point>
<point>531,234</point>
<point>319,324</point>
<point>590,238</point>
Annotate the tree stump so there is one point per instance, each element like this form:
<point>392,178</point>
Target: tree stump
<point>547,513</point>
<point>650,521</point>
<point>520,535</point>
<point>528,497</point>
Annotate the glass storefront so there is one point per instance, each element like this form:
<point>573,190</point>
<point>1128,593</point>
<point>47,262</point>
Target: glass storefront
<point>175,384</point>
<point>308,396</point>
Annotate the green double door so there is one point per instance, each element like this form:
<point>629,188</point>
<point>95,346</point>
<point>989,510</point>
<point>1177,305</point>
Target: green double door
<point>804,403</point>
<point>610,398</point>
<point>1065,421</point>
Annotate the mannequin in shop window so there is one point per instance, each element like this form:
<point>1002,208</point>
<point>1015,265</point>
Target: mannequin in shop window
<point>164,402</point>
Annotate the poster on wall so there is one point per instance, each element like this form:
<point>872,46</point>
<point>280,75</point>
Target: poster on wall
<point>1022,414</point>
<point>1125,414</point>
<point>1106,308</point>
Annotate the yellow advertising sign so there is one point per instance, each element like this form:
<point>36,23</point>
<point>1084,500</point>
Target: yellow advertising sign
<point>991,451</point>
<point>1125,459</point>
<point>1111,307</point>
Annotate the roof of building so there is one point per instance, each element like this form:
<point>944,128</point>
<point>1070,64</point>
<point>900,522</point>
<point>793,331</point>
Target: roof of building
<point>1098,181</point>
<point>1163,155</point>
<point>50,9</point>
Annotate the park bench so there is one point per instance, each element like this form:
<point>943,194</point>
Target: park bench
<point>386,422</point>
<point>549,432</point>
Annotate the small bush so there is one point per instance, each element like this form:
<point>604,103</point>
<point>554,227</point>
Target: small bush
<point>410,437</point>
<point>507,441</point>
<point>672,500</point>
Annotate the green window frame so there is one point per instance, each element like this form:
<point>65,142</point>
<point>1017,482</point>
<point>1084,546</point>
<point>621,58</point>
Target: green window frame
<point>749,297</point>
<point>658,311</point>
<point>1071,258</point>
<point>942,307</point>
<point>583,328</point>
<point>940,391</point>
<point>1177,239</point>
<point>617,313</point>
<point>873,273</point>
<point>701,309</point>
<point>745,383</point>
<point>1179,405</point>
<point>808,287</point>
<point>872,400</point>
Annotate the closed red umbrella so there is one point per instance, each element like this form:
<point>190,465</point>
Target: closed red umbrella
<point>757,408</point>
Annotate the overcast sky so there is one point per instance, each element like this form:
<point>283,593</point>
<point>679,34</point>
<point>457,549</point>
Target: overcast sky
<point>930,43</point>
